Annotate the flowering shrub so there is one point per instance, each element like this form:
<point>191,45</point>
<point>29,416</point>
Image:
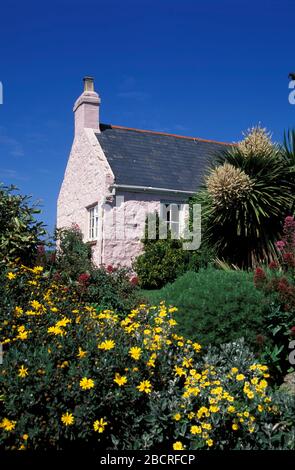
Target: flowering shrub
<point>76,376</point>
<point>279,284</point>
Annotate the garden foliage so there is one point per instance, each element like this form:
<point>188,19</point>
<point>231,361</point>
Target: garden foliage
<point>216,306</point>
<point>20,232</point>
<point>77,378</point>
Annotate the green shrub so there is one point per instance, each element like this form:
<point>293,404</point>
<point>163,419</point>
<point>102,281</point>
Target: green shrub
<point>20,232</point>
<point>164,260</point>
<point>73,256</point>
<point>215,306</point>
<point>114,288</point>
<point>77,378</point>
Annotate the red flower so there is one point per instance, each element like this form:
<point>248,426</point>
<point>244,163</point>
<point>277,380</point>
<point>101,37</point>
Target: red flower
<point>259,276</point>
<point>110,268</point>
<point>134,280</point>
<point>283,285</point>
<point>273,265</point>
<point>292,331</point>
<point>83,279</point>
<point>289,259</point>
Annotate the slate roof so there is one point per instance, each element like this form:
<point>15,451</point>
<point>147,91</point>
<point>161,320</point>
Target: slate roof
<point>154,159</point>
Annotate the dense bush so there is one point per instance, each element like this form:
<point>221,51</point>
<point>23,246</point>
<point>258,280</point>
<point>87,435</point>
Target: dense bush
<point>164,260</point>
<point>278,284</point>
<point>74,378</point>
<point>71,265</point>
<point>20,232</point>
<point>216,306</point>
<point>246,193</point>
<point>73,256</point>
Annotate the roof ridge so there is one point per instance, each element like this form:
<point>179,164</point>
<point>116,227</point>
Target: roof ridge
<point>112,126</point>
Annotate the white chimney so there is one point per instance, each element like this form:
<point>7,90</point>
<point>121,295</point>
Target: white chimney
<point>86,108</point>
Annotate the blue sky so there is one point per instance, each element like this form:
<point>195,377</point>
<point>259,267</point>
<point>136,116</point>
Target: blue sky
<point>203,68</point>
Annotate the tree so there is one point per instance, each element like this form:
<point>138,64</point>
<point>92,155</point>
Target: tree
<point>245,196</point>
<point>20,232</point>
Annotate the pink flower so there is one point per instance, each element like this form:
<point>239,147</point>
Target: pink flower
<point>41,250</point>
<point>280,244</point>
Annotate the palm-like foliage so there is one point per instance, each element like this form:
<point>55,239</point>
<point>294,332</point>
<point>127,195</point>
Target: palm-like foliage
<point>243,228</point>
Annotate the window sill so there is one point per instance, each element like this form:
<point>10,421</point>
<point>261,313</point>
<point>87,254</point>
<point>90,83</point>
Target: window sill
<point>92,242</point>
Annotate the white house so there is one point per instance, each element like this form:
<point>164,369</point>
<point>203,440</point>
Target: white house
<point>116,175</point>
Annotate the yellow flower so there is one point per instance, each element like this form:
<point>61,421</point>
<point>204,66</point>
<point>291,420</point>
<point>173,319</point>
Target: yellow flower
<point>240,377</point>
<point>25,437</point>
<point>37,269</point>
<point>107,345</point>
<point>178,446</point>
<point>18,310</point>
<point>234,370</point>
<point>197,347</point>
<point>11,276</point>
<point>214,409</point>
<point>135,352</point>
<point>235,427</point>
<point>86,384</point>
<point>55,330</point>
<point>81,353</point>
<point>22,335</point>
<point>260,408</point>
<point>67,419</point>
<point>177,416</point>
<point>179,371</point>
<point>36,305</point>
<point>209,442</point>
<point>262,384</point>
<point>63,322</point>
<point>7,424</point>
<point>196,430</point>
<point>120,379</point>
<point>187,362</point>
<point>203,411</point>
<point>145,386</point>
<point>231,409</point>
<point>99,425</point>
<point>207,426</point>
<point>151,361</point>
<point>23,371</point>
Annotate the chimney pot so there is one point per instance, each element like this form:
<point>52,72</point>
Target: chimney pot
<point>88,83</point>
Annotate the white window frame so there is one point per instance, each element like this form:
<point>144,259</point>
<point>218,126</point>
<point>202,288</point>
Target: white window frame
<point>174,223</point>
<point>93,222</point>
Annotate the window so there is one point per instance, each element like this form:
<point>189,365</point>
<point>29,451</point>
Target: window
<point>93,222</point>
<point>170,215</point>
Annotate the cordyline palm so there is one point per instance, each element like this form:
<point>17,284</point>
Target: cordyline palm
<point>244,201</point>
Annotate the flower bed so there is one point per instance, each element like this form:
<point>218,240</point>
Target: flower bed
<point>75,376</point>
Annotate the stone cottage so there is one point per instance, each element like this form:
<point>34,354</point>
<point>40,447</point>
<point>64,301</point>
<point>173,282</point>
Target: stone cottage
<point>116,175</point>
